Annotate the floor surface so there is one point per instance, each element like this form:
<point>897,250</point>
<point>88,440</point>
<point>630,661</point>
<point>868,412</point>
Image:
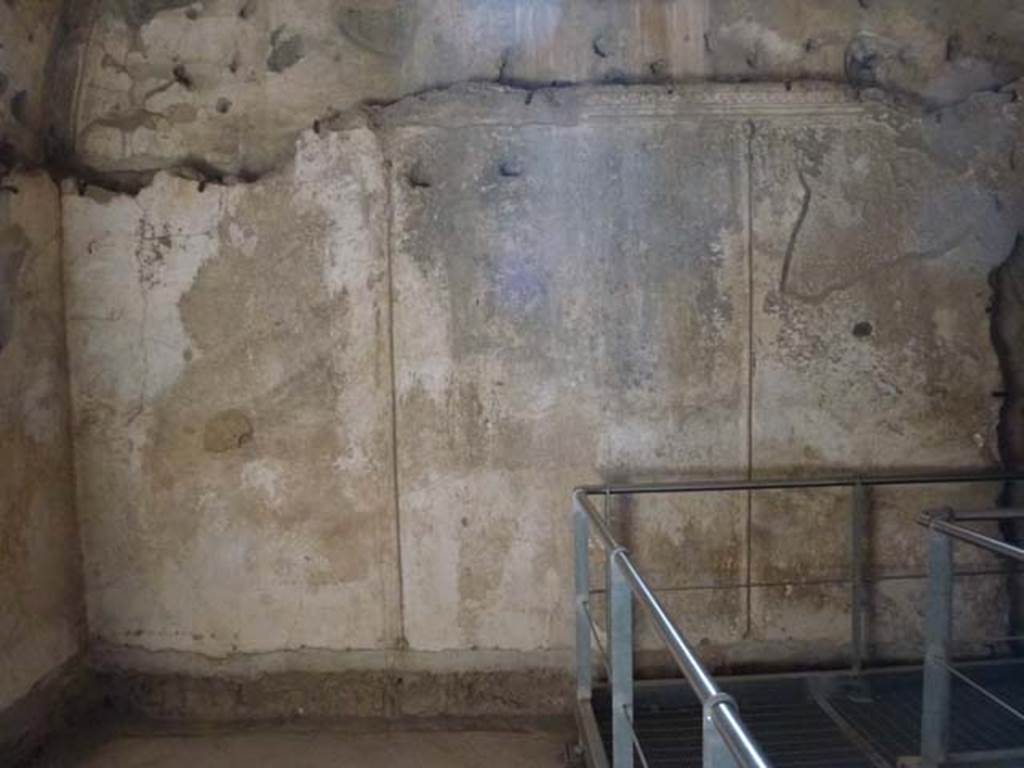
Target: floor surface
<point>320,749</point>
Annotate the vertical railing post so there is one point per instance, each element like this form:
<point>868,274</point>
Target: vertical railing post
<point>715,753</point>
<point>620,611</point>
<point>581,567</point>
<point>858,537</point>
<point>938,635</point>
<point>606,515</point>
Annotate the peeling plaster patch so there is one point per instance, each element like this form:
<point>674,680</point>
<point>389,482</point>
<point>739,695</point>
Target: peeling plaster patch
<point>384,32</point>
<point>227,431</point>
<point>359,147</point>
<point>152,247</point>
<point>138,13</point>
<point>758,45</point>
<point>286,49</point>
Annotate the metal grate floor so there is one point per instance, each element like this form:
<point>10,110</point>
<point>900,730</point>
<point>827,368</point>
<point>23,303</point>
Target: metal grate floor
<point>828,720</point>
<point>891,718</point>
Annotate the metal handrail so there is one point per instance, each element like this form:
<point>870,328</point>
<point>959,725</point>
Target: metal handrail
<point>723,729</point>
<point>942,521</point>
<point>836,481</point>
<point>720,709</point>
<point>936,686</point>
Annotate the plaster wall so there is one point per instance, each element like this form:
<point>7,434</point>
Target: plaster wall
<point>341,406</point>
<point>334,367</point>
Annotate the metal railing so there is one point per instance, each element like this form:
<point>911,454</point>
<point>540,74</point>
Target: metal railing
<point>726,739</point>
<point>938,671</point>
<point>727,742</point>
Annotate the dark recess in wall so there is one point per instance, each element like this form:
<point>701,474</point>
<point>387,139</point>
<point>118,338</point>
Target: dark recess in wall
<point>1008,340</point>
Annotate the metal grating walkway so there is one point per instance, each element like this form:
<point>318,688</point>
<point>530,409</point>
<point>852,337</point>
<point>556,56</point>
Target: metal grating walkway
<point>828,719</point>
<point>891,719</point>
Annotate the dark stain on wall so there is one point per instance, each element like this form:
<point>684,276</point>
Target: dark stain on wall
<point>1008,340</point>
<point>138,13</point>
<point>19,107</point>
<point>286,49</point>
<point>13,247</point>
<point>385,32</point>
<point>226,431</point>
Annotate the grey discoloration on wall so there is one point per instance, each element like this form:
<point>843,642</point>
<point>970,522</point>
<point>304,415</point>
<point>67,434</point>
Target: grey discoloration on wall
<point>1008,337</point>
<point>41,621</point>
<point>26,32</point>
<point>875,222</point>
<point>824,214</point>
<point>566,333</point>
<point>138,13</point>
<point>13,247</point>
<point>285,49</point>
<point>937,51</point>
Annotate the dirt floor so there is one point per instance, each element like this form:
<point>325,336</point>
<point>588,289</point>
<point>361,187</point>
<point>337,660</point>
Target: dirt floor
<point>269,747</point>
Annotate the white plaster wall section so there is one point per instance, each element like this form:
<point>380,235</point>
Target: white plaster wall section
<point>474,564</point>
<point>149,248</point>
<point>127,261</point>
<point>282,536</point>
<point>344,172</point>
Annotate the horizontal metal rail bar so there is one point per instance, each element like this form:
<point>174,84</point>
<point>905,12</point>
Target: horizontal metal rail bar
<point>847,481</point>
<point>990,514</point>
<point>775,584</point>
<point>935,521</point>
<point>985,692</point>
<point>723,714</point>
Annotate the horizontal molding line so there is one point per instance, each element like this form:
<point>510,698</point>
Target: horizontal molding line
<point>816,582</point>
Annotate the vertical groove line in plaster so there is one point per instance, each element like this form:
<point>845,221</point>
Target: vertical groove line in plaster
<point>75,108</point>
<point>750,363</point>
<point>398,632</point>
<point>69,422</point>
